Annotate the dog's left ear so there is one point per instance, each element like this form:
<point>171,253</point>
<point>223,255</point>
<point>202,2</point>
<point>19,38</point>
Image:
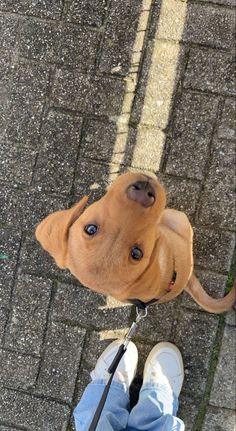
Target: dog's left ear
<point>52,232</point>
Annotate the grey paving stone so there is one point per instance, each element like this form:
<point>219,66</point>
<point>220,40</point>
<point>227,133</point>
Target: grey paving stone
<point>218,198</point>
<point>26,328</point>
<point>3,321</point>
<point>8,27</point>
<point>222,2</point>
<point>44,8</point>
<point>208,25</point>
<point>181,194</point>
<point>158,325</point>
<point>217,419</point>
<point>9,250</point>
<point>16,163</point>
<point>55,165</point>
<point>83,307</point>
<point>214,284</point>
<point>195,336</point>
<point>5,428</point>
<point>5,66</point>
<point>34,260</point>
<point>93,177</point>
<point>87,93</point>
<point>86,12</point>
<point>119,36</point>
<point>223,389</point>
<point>210,70</point>
<point>227,127</point>
<point>17,371</point>
<point>188,410</point>
<point>213,249</point>
<point>32,413</point>
<point>29,86</point>
<point>98,140</point>
<point>58,43</point>
<point>61,361</point>
<point>231,317</point>
<point>30,205</point>
<point>194,118</point>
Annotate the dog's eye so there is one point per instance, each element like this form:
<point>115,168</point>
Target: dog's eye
<point>136,253</point>
<point>91,229</point>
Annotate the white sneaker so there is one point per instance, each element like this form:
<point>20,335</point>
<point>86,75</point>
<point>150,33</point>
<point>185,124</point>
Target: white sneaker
<point>126,369</point>
<point>164,364</point>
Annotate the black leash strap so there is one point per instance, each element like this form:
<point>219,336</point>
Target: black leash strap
<point>140,314</point>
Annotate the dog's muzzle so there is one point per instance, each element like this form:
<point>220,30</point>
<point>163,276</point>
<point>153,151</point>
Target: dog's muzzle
<point>142,192</point>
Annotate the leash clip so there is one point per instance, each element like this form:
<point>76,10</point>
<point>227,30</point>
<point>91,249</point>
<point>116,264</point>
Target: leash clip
<point>140,314</point>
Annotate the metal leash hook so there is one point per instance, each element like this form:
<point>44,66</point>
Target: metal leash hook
<point>140,314</point>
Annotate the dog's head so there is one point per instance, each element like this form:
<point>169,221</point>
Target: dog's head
<point>110,245</point>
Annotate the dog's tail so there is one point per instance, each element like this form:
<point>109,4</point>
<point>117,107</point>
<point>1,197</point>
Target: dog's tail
<point>195,289</point>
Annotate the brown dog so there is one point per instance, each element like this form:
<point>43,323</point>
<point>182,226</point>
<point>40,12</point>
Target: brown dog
<point>128,245</point>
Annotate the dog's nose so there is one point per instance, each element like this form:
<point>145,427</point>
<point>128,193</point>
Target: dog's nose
<point>142,192</point>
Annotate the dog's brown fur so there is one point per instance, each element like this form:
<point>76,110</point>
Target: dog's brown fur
<point>103,262</point>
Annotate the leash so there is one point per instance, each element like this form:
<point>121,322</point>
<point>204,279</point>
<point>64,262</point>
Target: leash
<point>141,312</point>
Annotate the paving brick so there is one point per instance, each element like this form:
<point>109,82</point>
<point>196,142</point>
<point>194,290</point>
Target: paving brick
<point>61,361</point>
<point>213,249</point>
<point>58,43</point>
<point>87,93</point>
<point>195,336</point>
<point>9,249</point>
<point>119,36</point>
<point>26,104</point>
<point>158,326</point>
<point>3,321</point>
<point>17,371</point>
<point>218,198</point>
<point>86,12</point>
<point>181,194</point>
<point>211,70</point>
<point>98,140</point>
<point>222,2</point>
<point>188,410</point>
<point>34,413</point>
<point>30,304</point>
<point>34,260</point>
<point>93,177</point>
<point>5,428</point>
<point>227,126</point>
<point>214,284</point>
<point>219,419</point>
<point>44,9</point>
<point>202,24</point>
<point>55,165</point>
<point>223,389</point>
<point>30,205</point>
<point>231,317</point>
<point>16,163</point>
<point>83,307</point>
<point>194,119</point>
<point>8,27</point>
<point>208,25</point>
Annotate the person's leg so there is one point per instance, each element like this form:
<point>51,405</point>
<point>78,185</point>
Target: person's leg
<point>158,400</point>
<point>116,410</point>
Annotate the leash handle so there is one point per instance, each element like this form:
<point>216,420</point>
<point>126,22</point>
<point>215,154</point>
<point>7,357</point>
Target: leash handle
<point>140,314</point>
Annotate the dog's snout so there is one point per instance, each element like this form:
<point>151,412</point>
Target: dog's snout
<point>142,192</point>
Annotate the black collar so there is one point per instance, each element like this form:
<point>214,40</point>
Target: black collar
<point>142,305</point>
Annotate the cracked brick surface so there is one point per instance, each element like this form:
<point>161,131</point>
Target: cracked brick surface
<point>74,86</point>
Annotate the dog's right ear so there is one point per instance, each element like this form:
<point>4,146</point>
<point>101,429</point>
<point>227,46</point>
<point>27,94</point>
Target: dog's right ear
<point>52,232</point>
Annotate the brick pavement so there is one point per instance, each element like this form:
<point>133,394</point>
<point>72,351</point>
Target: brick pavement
<point>89,88</point>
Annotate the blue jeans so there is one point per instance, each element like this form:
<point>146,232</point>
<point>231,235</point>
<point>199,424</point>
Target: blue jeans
<point>155,411</point>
